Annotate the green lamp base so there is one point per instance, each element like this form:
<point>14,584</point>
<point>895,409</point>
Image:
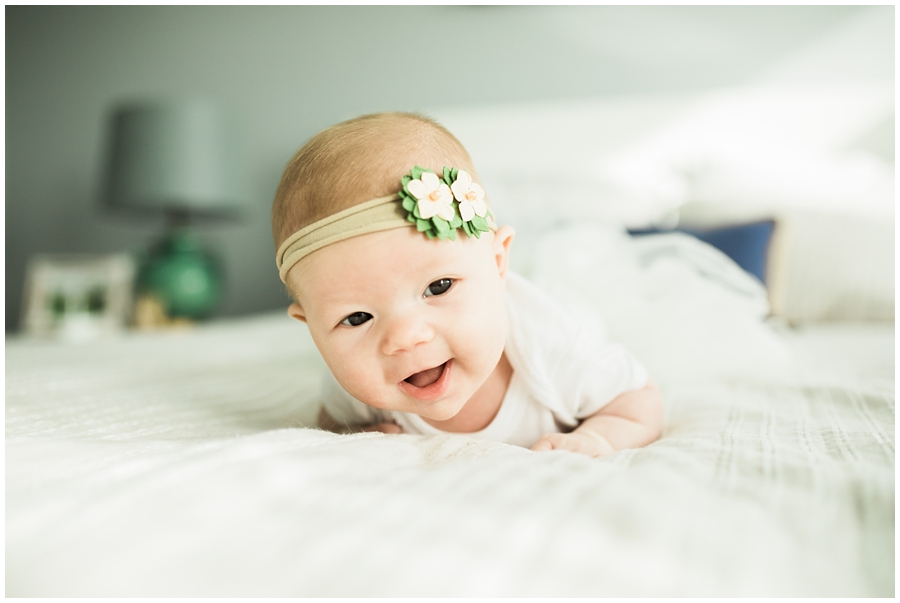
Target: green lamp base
<point>182,276</point>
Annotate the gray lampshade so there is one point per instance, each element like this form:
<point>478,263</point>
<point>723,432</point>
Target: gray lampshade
<point>172,156</point>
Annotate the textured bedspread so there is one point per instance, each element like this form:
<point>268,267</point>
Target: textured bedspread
<point>179,464</point>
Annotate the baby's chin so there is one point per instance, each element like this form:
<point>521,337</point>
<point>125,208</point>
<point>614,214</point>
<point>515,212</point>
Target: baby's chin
<point>444,410</point>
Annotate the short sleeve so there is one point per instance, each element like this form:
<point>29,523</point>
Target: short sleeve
<point>344,408</point>
<point>601,373</point>
<point>564,356</point>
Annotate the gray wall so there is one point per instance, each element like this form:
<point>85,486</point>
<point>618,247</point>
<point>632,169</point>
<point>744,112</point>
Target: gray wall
<point>291,71</point>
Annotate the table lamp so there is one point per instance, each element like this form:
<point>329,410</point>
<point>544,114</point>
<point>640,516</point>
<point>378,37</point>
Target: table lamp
<point>175,158</point>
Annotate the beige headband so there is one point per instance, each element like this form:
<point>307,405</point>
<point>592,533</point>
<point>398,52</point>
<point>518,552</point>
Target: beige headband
<point>383,213</point>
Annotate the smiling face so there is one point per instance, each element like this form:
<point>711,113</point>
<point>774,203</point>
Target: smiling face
<point>406,323</point>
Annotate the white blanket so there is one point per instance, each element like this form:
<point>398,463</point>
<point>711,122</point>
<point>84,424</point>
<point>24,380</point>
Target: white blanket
<point>179,464</point>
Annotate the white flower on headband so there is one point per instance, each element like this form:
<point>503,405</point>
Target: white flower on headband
<point>433,196</point>
<point>470,196</point>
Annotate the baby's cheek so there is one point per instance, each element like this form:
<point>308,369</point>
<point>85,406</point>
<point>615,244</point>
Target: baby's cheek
<point>359,380</point>
<point>351,370</point>
<point>484,335</point>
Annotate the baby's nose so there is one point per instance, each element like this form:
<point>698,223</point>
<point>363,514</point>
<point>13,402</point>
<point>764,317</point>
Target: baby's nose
<point>405,332</point>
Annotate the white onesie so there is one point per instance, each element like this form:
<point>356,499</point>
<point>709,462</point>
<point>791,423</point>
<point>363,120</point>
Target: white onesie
<point>564,370</point>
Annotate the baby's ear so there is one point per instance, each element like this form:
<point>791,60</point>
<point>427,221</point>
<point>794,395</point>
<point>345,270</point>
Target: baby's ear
<point>296,312</point>
<point>502,241</point>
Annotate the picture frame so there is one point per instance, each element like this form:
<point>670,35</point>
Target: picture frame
<point>77,296</point>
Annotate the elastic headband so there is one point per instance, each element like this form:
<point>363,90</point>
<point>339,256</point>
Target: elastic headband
<point>383,213</point>
<point>435,206</point>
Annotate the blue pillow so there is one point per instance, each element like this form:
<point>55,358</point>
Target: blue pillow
<point>746,244</point>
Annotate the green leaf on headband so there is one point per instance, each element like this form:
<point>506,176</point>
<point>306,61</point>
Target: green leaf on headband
<point>447,179</point>
<point>422,225</point>
<point>411,218</point>
<point>457,221</point>
<point>454,173</point>
<point>440,225</point>
<point>479,223</point>
<point>408,204</point>
<point>452,234</point>
<point>430,234</point>
<point>415,211</point>
<point>417,172</point>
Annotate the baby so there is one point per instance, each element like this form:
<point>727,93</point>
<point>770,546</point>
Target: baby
<point>391,253</point>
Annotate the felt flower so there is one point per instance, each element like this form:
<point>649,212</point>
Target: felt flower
<point>433,197</point>
<point>470,196</point>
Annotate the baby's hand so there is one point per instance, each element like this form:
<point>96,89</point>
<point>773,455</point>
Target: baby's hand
<point>631,420</point>
<point>582,441</point>
<point>383,428</point>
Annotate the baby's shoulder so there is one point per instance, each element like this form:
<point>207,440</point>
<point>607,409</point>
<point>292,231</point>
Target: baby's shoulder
<point>547,333</point>
<point>555,320</point>
<point>560,349</point>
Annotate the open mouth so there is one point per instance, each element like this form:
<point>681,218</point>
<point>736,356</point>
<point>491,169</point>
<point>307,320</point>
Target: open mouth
<point>428,384</point>
<point>426,377</point>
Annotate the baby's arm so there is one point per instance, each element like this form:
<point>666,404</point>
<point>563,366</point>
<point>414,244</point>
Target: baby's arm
<point>631,420</point>
<point>327,422</point>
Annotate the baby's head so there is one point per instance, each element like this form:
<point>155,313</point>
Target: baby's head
<point>405,322</point>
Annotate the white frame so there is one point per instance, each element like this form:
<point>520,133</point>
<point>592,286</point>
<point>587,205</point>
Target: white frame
<point>72,278</point>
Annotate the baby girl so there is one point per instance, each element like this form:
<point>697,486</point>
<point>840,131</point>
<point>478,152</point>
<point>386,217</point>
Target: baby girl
<point>392,255</point>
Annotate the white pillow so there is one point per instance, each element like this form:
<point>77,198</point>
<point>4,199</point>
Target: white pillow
<point>829,267</point>
<point>682,307</point>
<point>822,265</point>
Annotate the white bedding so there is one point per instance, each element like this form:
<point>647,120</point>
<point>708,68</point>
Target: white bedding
<point>179,464</point>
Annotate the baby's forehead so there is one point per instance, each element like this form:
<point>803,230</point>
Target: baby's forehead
<point>386,257</point>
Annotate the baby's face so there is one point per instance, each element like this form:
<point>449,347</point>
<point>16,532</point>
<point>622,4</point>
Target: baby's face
<point>407,323</point>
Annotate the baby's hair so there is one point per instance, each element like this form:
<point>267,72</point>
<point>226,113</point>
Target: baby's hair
<point>358,160</point>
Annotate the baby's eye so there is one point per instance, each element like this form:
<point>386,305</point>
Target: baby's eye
<point>356,319</point>
<point>439,287</point>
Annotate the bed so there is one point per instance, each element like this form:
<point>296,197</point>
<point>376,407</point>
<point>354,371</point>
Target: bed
<point>187,463</point>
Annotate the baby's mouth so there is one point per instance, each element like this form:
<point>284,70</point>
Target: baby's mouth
<point>426,377</point>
